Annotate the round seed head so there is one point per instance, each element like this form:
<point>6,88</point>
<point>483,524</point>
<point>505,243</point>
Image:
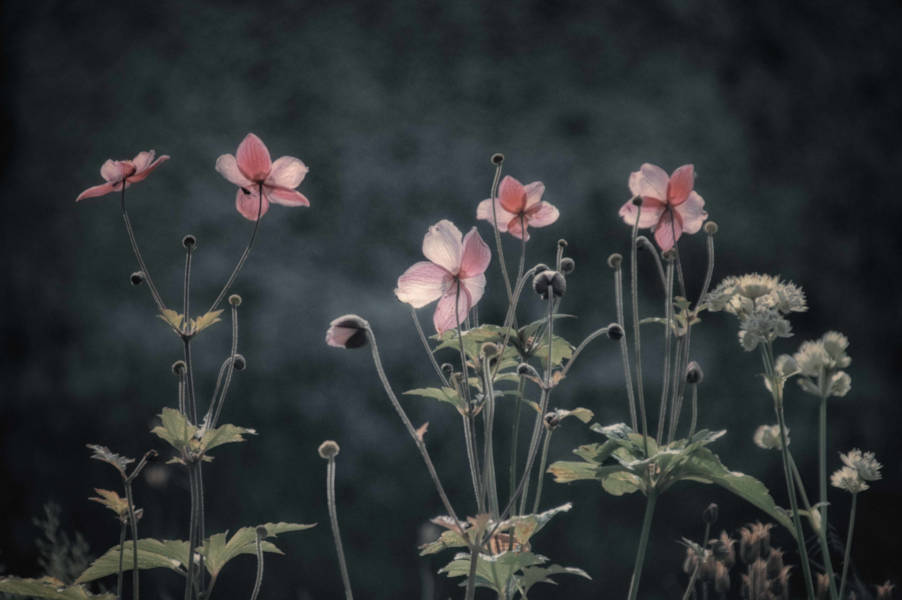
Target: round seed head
<point>549,283</point>
<point>637,200</point>
<point>137,278</point>
<point>615,331</point>
<point>329,449</point>
<point>489,350</point>
<point>615,260</point>
<point>694,373</point>
<point>711,227</point>
<point>179,367</point>
<point>240,363</point>
<point>497,158</point>
<point>235,300</point>
<point>189,241</point>
<point>568,265</point>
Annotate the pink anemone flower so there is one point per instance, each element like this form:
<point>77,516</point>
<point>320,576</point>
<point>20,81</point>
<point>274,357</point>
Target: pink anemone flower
<point>253,169</point>
<point>118,173</point>
<point>453,275</point>
<point>669,205</point>
<point>517,207</point>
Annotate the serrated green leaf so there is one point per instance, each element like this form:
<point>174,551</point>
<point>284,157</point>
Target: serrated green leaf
<point>537,574</point>
<point>49,588</point>
<point>174,429</point>
<point>473,339</point>
<point>217,551</point>
<point>152,554</point>
<point>583,414</point>
<point>526,526</point>
<point>561,350</point>
<point>204,321</point>
<point>618,483</point>
<point>104,454</point>
<point>224,434</point>
<point>566,471</point>
<point>443,394</point>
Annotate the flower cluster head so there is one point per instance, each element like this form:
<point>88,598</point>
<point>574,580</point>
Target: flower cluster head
<point>119,173</point>
<point>860,467</point>
<point>252,170</point>
<point>820,365</point>
<point>453,275</point>
<point>761,303</point>
<point>518,207</point>
<point>767,437</point>
<point>668,205</point>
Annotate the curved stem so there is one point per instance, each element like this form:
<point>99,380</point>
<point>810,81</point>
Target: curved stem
<point>582,347</point>
<point>229,365</point>
<point>709,272</point>
<point>244,255</point>
<point>848,551</point>
<point>821,530</point>
<point>192,536</point>
<point>469,420</point>
<point>490,482</point>
<point>158,300</point>
<point>634,291</point>
<point>643,544</point>
<point>501,262</point>
<point>333,518</point>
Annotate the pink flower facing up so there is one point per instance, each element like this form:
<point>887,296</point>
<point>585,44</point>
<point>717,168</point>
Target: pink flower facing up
<point>516,202</point>
<point>669,206</point>
<point>252,167</point>
<point>453,275</point>
<point>123,172</point>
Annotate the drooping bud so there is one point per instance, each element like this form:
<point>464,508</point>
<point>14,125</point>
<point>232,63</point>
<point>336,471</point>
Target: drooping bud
<point>262,532</point>
<point>615,260</point>
<point>711,228</point>
<point>489,350</point>
<point>239,363</point>
<point>347,331</point>
<point>615,331</point>
<point>497,158</point>
<point>709,515</point>
<point>549,283</point>
<point>527,370</point>
<point>552,420</point>
<point>235,300</point>
<point>568,265</point>
<point>447,369</point>
<point>189,241</point>
<point>562,243</point>
<point>329,449</point>
<point>694,373</point>
<point>136,278</point>
<point>179,368</point>
<point>539,268</point>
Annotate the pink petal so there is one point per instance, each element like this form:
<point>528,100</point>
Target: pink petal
<point>422,283</point>
<point>143,160</point>
<point>692,213</point>
<point>285,197</point>
<point>142,175</point>
<point>475,286</point>
<point>668,231</point>
<point>442,245</point>
<point>681,183</point>
<point>650,181</point>
<point>512,195</point>
<point>98,190</point>
<point>519,227</point>
<point>452,309</point>
<point>475,258</point>
<point>116,170</point>
<point>484,212</point>
<point>227,166</point>
<point>253,158</point>
<point>249,204</point>
<point>651,212</point>
<point>534,193</point>
<point>287,172</point>
<point>542,215</point>
<point>346,331</point>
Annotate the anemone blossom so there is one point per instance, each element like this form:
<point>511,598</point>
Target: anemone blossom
<point>123,172</point>
<point>517,207</point>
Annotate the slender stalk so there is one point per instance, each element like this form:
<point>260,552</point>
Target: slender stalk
<point>668,354</point>
<point>690,587</point>
<point>158,300</point>
<point>471,575</point>
<point>471,460</point>
<point>709,272</point>
<point>581,347</point>
<point>121,556</point>
<point>624,348</point>
<point>821,531</point>
<point>501,262</point>
<point>822,457</point>
<point>515,435</point>
<point>643,544</point>
<point>634,291</point>
<point>542,464</point>
<point>421,446</point>
<point>469,425</point>
<point>186,293</point>
<point>694,420</point>
<point>650,248</point>
<point>848,551</point>
<point>134,526</point>
<point>192,536</point>
<point>676,398</point>
<point>425,342</point>
<point>258,580</point>
<point>244,255</point>
<point>229,366</point>
<point>490,483</point>
<point>333,518</point>
<point>189,378</point>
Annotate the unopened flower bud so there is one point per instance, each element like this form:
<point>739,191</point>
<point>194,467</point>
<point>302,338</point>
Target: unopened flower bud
<point>711,227</point>
<point>615,331</point>
<point>329,449</point>
<point>615,260</point>
<point>447,369</point>
<point>694,373</point>
<point>137,278</point>
<point>669,255</point>
<point>179,367</point>
<point>637,200</point>
<point>497,158</point>
<point>189,241</point>
<point>239,362</point>
<point>489,350</point>
<point>549,283</point>
<point>347,331</point>
<point>235,300</point>
<point>568,265</point>
<point>539,268</point>
<point>562,243</point>
<point>709,515</point>
<point>262,532</point>
<point>552,420</point>
<point>527,370</point>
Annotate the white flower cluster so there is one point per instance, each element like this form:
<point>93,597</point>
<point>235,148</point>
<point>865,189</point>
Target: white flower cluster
<point>860,467</point>
<point>760,302</point>
<point>767,437</point>
<point>820,365</point>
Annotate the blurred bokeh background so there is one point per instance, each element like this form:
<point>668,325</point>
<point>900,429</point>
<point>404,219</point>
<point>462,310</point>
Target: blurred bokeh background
<point>789,111</point>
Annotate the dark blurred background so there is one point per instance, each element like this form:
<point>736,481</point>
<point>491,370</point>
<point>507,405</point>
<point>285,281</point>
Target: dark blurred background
<point>789,111</point>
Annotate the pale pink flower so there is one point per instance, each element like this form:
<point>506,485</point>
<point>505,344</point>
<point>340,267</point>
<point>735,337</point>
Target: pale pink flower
<point>253,168</point>
<point>123,172</point>
<point>453,275</point>
<point>669,206</point>
<point>347,331</point>
<point>516,202</point>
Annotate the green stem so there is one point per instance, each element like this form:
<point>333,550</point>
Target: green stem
<point>161,306</point>
<point>624,347</point>
<point>333,518</point>
<point>258,580</point>
<point>501,262</point>
<point>542,464</point>
<point>121,556</point>
<point>134,526</point>
<point>643,544</point>
<point>471,575</point>
<point>490,484</point>
<point>521,386</point>
<point>192,535</point>
<point>822,458</point>
<point>848,550</point>
<point>668,354</point>
<point>637,343</point>
<point>821,531</point>
<point>244,255</point>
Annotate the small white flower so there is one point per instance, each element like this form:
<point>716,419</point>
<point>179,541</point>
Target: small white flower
<point>820,363</point>
<point>767,437</point>
<point>864,463</point>
<point>848,479</point>
<point>761,326</point>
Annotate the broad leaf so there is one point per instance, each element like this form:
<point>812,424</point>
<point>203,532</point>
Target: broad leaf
<point>49,588</point>
<point>217,551</point>
<point>152,554</point>
<point>536,574</point>
<point>443,394</point>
